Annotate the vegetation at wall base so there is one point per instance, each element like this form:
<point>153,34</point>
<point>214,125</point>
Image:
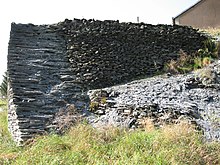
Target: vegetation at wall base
<point>82,144</point>
<point>186,63</point>
<point>8,148</point>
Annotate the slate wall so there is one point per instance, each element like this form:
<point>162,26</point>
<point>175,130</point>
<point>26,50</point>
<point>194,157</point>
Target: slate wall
<point>52,66</point>
<point>40,80</point>
<point>106,53</point>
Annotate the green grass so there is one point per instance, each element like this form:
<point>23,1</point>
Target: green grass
<point>8,149</point>
<point>3,102</point>
<point>3,118</point>
<point>82,144</point>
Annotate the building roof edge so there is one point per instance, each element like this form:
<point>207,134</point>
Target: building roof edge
<point>196,4</point>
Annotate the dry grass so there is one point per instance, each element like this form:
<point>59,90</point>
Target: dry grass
<point>183,64</point>
<point>65,118</point>
<point>187,146</point>
<point>82,144</point>
<point>202,58</point>
<point>147,124</point>
<point>183,144</point>
<point>212,31</point>
<point>171,144</point>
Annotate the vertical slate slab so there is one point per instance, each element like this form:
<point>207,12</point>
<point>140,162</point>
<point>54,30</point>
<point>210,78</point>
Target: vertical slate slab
<point>40,80</point>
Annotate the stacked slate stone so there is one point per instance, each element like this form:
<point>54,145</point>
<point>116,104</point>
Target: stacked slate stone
<point>40,80</point>
<point>105,53</point>
<point>51,67</point>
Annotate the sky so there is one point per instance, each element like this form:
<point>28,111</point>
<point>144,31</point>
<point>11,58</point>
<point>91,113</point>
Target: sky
<point>54,11</point>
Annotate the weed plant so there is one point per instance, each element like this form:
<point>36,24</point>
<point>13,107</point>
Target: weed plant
<point>186,63</point>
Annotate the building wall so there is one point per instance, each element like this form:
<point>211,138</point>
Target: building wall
<point>204,15</point>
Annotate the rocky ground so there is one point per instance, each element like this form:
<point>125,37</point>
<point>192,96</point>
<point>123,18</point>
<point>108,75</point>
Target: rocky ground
<point>166,98</point>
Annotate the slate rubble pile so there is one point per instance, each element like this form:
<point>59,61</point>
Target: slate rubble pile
<point>164,99</point>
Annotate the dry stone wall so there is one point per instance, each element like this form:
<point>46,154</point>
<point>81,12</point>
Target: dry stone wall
<point>107,53</point>
<point>52,66</point>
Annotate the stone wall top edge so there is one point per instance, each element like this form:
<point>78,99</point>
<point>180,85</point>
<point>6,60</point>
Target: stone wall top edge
<point>14,24</point>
